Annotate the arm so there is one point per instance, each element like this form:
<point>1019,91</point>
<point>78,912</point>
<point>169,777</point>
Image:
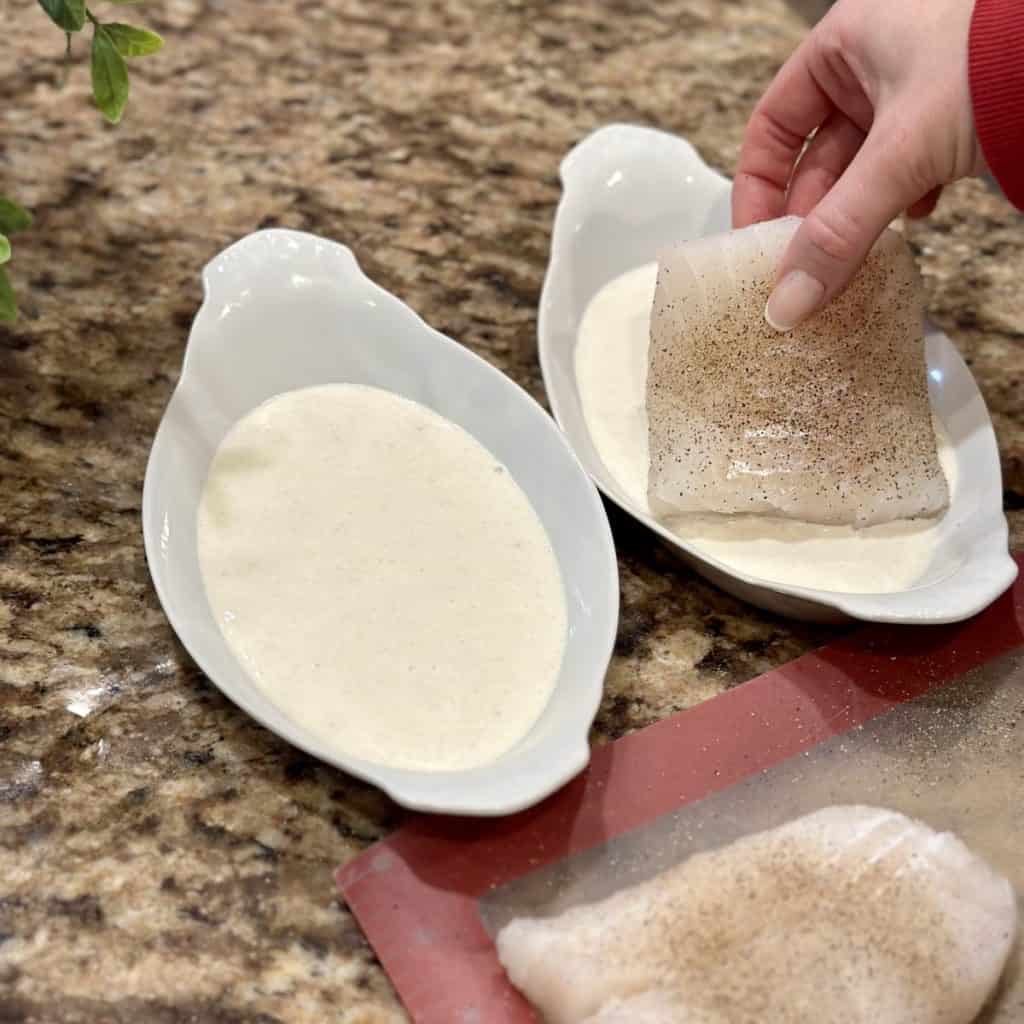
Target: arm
<point>996,71</point>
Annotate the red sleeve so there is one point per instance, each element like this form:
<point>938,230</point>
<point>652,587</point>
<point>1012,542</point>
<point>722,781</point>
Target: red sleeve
<point>996,74</point>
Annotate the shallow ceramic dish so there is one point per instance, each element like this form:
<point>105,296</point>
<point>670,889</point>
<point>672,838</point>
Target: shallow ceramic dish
<point>285,310</point>
<point>628,192</point>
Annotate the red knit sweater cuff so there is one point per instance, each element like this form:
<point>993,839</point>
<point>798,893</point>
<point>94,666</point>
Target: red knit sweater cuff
<point>996,73</point>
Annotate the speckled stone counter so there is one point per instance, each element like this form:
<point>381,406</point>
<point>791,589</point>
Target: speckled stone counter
<point>162,858</point>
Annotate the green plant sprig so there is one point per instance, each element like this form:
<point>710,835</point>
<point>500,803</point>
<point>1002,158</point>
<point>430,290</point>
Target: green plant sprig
<point>13,218</point>
<point>113,44</point>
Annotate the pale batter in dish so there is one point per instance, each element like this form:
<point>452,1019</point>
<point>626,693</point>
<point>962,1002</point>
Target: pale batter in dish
<point>611,372</point>
<point>382,578</point>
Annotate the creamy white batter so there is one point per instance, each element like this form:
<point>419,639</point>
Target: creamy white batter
<point>611,372</point>
<point>382,577</point>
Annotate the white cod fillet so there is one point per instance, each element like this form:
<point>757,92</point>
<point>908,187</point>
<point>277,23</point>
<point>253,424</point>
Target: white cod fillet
<point>850,915</point>
<point>830,423</point>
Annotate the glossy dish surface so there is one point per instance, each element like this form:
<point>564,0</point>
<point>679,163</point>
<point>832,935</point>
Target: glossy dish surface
<point>285,310</point>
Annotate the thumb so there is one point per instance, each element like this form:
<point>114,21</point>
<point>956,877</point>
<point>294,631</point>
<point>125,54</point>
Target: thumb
<point>836,236</point>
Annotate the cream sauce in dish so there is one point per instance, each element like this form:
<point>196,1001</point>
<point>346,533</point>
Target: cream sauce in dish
<point>611,374</point>
<point>382,578</point>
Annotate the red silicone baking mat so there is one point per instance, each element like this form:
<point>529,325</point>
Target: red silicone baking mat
<point>430,897</point>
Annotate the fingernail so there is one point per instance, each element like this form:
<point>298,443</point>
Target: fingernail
<point>795,297</point>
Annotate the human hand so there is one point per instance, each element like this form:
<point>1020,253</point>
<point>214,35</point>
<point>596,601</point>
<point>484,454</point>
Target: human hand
<point>885,84</point>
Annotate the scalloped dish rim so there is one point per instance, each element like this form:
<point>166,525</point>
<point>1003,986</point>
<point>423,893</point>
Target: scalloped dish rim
<point>609,149</point>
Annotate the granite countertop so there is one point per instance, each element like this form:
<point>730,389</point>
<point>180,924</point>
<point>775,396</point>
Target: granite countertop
<point>162,857</point>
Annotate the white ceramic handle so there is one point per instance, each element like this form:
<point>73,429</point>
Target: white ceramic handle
<point>266,255</point>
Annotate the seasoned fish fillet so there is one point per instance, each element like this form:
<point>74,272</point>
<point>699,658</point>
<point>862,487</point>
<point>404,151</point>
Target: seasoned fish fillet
<point>652,1007</point>
<point>830,423</point>
<point>850,915</point>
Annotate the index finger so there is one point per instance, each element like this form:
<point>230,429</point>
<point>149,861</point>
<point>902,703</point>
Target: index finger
<point>791,108</point>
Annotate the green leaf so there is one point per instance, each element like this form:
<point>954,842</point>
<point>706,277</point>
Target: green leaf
<point>8,306</point>
<point>13,217</point>
<point>131,41</point>
<point>5,249</point>
<point>67,14</point>
<point>109,76</point>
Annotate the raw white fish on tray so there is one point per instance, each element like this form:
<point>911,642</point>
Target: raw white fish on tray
<point>852,914</point>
